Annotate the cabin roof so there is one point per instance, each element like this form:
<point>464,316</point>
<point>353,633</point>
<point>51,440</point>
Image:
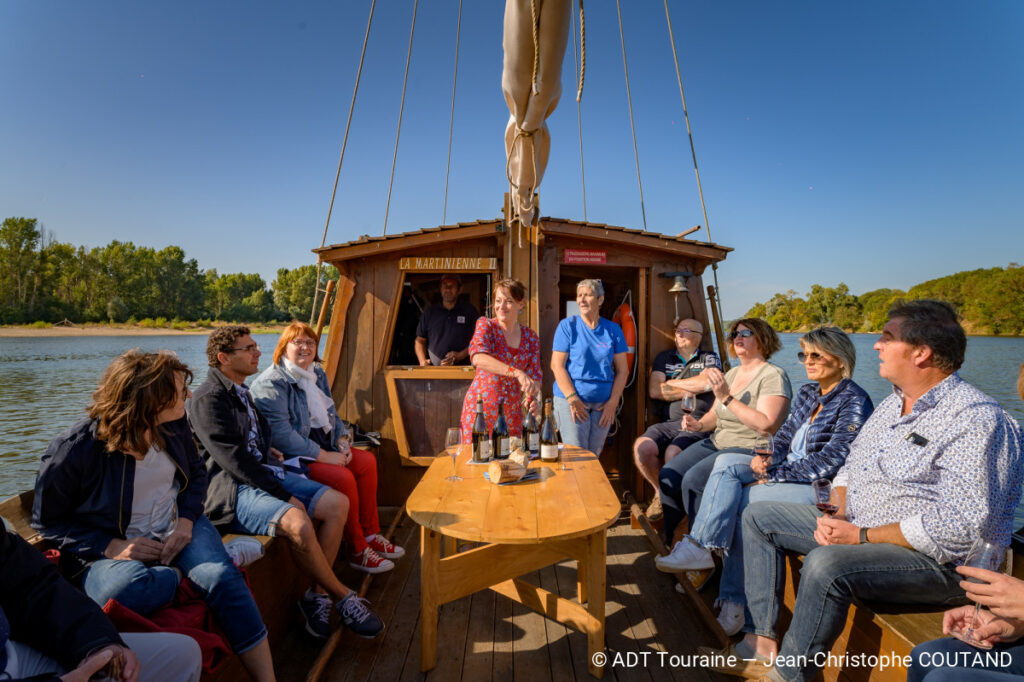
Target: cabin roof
<point>367,245</point>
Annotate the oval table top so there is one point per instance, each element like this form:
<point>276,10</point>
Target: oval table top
<point>560,504</point>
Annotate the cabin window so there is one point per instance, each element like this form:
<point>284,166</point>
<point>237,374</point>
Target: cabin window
<point>421,290</point>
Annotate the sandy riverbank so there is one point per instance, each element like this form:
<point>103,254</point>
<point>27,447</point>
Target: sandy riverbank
<point>29,331</point>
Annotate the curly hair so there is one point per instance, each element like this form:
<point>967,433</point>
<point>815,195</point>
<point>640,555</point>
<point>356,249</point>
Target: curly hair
<point>222,340</point>
<point>767,340</point>
<point>294,331</point>
<point>133,390</point>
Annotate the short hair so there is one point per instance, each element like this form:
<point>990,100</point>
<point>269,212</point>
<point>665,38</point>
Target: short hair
<point>222,340</point>
<point>931,323</point>
<point>133,390</point>
<point>513,287</point>
<point>294,331</point>
<point>836,343</point>
<point>594,285</point>
<point>767,340</point>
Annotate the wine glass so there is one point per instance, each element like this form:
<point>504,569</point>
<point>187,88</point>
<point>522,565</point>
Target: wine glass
<point>452,446</point>
<point>163,517</point>
<point>764,446</point>
<point>688,403</point>
<point>826,499</point>
<point>990,556</point>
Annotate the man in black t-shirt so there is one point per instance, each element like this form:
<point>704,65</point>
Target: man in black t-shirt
<point>445,329</point>
<point>676,373</point>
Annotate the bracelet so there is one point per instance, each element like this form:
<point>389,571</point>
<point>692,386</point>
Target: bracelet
<point>510,371</point>
<point>864,536</point>
<point>571,396</point>
<point>725,403</point>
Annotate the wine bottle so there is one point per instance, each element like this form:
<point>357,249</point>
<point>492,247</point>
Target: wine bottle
<point>500,445</point>
<point>531,434</point>
<point>548,442</point>
<point>481,439</point>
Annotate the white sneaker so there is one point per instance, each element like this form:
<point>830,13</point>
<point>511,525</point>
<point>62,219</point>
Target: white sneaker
<point>730,617</point>
<point>244,550</point>
<point>685,555</point>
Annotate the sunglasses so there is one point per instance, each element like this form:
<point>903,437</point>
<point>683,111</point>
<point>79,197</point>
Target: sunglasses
<point>740,333</point>
<point>810,357</point>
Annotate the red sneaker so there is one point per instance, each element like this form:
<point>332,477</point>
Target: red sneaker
<point>386,549</point>
<point>370,562</point>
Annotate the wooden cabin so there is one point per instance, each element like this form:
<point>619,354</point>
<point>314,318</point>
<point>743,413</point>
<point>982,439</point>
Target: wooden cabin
<point>384,281</point>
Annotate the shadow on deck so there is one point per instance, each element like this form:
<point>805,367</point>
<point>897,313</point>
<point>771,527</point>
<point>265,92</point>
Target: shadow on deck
<point>488,637</point>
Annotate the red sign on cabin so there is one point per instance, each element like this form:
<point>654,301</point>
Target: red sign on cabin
<point>585,257</point>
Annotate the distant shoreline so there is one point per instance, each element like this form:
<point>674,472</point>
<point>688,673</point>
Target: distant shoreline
<point>27,331</point>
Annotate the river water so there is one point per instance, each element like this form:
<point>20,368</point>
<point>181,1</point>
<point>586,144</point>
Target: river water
<point>45,383</point>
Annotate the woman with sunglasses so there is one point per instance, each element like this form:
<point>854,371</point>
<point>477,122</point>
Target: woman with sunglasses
<point>751,399</point>
<point>294,396</point>
<point>812,444</point>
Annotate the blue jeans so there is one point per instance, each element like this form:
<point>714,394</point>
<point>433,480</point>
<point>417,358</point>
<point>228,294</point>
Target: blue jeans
<point>681,483</point>
<point>588,434</point>
<point>257,512</point>
<point>726,495</point>
<point>943,660</point>
<point>832,575</point>
<point>145,588</point>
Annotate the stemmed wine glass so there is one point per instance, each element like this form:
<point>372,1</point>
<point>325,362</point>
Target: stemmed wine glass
<point>989,556</point>
<point>452,446</point>
<point>163,518</point>
<point>826,499</point>
<point>688,403</point>
<point>764,446</point>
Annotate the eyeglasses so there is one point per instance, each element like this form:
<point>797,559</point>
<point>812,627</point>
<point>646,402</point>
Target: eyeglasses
<point>251,348</point>
<point>810,357</point>
<point>741,333</point>
<point>680,332</point>
<point>303,343</point>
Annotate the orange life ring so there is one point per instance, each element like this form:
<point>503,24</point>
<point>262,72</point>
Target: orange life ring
<point>624,318</point>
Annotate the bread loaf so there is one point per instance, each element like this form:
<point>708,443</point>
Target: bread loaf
<point>505,470</point>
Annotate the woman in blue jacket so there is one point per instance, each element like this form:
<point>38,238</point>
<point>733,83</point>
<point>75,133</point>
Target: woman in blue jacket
<point>812,443</point>
<point>103,496</point>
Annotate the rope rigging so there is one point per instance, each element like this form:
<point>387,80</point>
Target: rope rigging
<point>401,110</point>
<point>632,125</point>
<point>451,122</point>
<point>581,65</point>
<point>337,175</point>
<point>693,154</point>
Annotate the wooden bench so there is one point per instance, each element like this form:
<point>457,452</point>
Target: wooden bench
<point>874,630</point>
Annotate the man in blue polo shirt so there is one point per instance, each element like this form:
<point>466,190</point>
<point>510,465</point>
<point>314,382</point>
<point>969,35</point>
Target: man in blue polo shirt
<point>445,329</point>
<point>676,372</point>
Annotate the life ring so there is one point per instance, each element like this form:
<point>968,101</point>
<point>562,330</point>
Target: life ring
<point>624,318</point>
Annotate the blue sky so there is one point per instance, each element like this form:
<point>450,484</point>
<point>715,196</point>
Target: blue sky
<point>874,143</point>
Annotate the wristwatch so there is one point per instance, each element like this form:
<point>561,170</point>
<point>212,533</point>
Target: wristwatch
<point>725,403</point>
<point>863,536</point>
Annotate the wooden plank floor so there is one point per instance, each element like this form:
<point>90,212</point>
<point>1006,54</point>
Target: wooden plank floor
<point>488,637</point>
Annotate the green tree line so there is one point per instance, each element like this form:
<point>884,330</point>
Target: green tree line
<point>45,280</point>
<point>990,301</point>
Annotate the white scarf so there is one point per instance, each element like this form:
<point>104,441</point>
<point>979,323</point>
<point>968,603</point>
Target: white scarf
<point>318,403</point>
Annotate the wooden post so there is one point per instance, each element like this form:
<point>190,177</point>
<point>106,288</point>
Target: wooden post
<point>723,350</point>
<point>324,306</point>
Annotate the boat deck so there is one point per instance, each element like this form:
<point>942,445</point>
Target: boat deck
<point>488,637</point>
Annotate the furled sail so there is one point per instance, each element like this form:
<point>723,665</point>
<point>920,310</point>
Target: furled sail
<point>536,33</point>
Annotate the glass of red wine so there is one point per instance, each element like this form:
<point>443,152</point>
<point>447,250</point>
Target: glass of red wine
<point>825,497</point>
<point>989,556</point>
<point>688,403</point>
<point>764,446</point>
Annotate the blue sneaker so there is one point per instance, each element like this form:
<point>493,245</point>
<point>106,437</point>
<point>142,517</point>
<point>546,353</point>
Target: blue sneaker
<point>357,616</point>
<point>316,610</point>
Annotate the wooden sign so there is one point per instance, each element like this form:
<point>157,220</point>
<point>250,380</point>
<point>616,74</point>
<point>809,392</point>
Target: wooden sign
<point>585,257</point>
<point>448,264</point>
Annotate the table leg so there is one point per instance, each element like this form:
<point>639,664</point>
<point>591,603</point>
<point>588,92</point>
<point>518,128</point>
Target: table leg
<point>450,545</point>
<point>581,581</point>
<point>430,559</point>
<point>595,581</point>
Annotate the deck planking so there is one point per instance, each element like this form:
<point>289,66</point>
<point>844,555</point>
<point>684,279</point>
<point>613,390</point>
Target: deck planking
<point>486,636</point>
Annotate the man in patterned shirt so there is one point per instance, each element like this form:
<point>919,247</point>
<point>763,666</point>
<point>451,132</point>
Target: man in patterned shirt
<point>938,465</point>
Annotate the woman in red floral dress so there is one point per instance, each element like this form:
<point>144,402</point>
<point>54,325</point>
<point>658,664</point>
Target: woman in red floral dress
<point>506,355</point>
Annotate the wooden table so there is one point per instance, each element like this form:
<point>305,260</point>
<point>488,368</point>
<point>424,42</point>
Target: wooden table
<point>523,527</point>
